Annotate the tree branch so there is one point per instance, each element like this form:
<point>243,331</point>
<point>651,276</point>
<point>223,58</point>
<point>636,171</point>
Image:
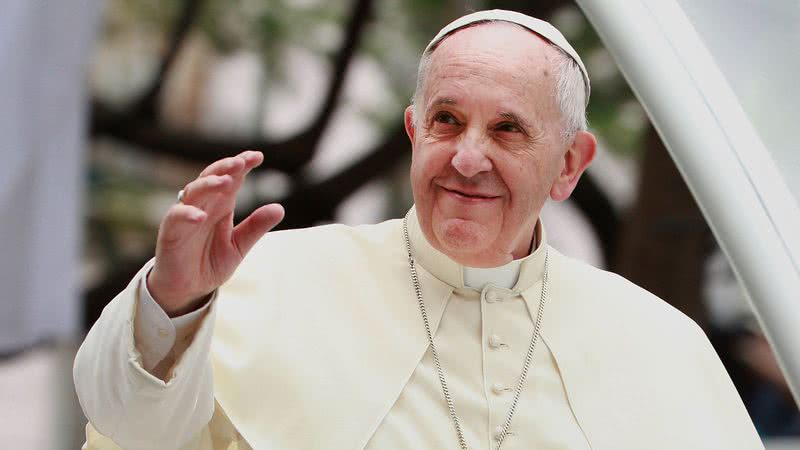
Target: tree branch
<point>140,127</point>
<point>359,17</point>
<point>149,136</point>
<point>145,105</point>
<point>311,204</point>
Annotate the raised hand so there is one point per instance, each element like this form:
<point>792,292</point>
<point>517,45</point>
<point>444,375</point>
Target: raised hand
<point>198,247</point>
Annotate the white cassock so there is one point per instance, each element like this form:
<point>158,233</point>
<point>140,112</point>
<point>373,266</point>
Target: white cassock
<point>317,343</point>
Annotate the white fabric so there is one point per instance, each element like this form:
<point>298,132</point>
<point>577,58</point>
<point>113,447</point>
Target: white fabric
<point>504,276</point>
<point>140,409</point>
<point>483,336</point>
<point>155,333</point>
<point>305,355</point>
<point>44,48</point>
<point>482,345</point>
<point>484,332</point>
<point>538,26</point>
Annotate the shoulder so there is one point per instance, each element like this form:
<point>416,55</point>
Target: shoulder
<point>631,308</point>
<point>295,278</point>
<point>308,247</point>
<point>331,237</point>
<point>615,323</point>
<point>616,343</point>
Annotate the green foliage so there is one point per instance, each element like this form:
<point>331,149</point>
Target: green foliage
<point>267,27</point>
<point>610,93</point>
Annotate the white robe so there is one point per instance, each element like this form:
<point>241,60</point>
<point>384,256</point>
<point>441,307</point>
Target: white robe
<point>307,356</point>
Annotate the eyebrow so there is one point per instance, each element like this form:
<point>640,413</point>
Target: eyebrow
<point>511,117</point>
<point>444,101</point>
<point>507,115</point>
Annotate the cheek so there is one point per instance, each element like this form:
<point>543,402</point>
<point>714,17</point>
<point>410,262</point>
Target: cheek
<point>418,170</point>
<point>429,162</point>
<point>522,173</point>
<point>422,173</point>
<point>526,182</point>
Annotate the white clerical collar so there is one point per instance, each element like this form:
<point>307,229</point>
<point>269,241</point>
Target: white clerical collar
<point>518,275</point>
<point>504,276</point>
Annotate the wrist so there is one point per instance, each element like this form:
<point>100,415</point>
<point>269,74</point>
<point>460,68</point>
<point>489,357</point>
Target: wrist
<point>174,302</point>
<point>189,307</point>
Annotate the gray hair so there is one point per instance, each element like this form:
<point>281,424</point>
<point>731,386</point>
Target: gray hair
<point>570,90</point>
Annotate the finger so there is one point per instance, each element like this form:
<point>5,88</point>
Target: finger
<point>252,160</point>
<point>230,165</point>
<point>234,164</point>
<point>197,192</point>
<point>251,229</point>
<point>180,223</point>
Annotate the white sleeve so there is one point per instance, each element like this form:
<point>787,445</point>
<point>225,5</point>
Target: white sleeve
<point>155,334</point>
<point>128,404</point>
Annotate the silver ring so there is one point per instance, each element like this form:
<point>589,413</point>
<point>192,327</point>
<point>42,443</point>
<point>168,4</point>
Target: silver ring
<point>181,194</point>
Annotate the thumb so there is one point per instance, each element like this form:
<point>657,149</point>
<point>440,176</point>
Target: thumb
<point>250,230</point>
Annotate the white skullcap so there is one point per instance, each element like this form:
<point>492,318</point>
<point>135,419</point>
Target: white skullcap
<point>538,26</point>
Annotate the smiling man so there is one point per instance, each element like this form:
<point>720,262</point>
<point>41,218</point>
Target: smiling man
<point>457,327</point>
<point>490,142</point>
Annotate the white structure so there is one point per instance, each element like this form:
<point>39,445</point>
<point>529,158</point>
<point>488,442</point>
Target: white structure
<point>717,79</point>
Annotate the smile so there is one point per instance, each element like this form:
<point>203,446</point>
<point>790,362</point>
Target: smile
<point>469,196</point>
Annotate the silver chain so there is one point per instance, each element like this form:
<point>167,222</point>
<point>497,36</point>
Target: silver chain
<point>528,357</point>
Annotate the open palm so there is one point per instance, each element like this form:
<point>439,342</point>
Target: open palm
<point>198,246</point>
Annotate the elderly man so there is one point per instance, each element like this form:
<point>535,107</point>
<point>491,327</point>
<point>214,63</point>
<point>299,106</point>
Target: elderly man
<point>455,327</point>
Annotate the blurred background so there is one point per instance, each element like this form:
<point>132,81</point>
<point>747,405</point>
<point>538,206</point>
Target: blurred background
<point>110,107</point>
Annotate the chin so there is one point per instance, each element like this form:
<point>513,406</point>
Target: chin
<point>462,237</point>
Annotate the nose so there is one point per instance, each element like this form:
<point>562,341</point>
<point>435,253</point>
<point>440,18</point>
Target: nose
<point>470,158</point>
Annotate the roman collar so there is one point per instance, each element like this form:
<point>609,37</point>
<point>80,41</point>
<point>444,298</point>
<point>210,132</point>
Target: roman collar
<point>526,271</point>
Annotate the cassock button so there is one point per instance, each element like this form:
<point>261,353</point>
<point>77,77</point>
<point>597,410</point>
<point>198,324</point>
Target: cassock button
<point>499,388</point>
<point>495,342</point>
<point>491,296</point>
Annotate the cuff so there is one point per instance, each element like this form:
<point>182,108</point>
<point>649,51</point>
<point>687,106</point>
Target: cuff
<point>155,334</point>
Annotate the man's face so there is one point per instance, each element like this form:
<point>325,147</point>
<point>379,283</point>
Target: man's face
<point>487,147</point>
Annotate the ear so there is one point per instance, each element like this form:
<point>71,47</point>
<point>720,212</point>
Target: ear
<point>575,161</point>
<point>409,122</point>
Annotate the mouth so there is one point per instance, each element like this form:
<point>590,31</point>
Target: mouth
<point>470,195</point>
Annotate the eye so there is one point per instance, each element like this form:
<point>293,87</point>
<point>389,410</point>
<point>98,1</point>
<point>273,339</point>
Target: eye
<point>445,118</point>
<point>508,127</point>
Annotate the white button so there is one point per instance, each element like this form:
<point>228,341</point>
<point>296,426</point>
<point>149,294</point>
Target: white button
<point>498,388</point>
<point>491,296</point>
<point>495,342</point>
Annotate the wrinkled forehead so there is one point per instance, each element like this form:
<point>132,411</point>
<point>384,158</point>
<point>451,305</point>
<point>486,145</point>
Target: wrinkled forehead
<point>498,61</point>
<point>500,43</point>
<point>539,28</point>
